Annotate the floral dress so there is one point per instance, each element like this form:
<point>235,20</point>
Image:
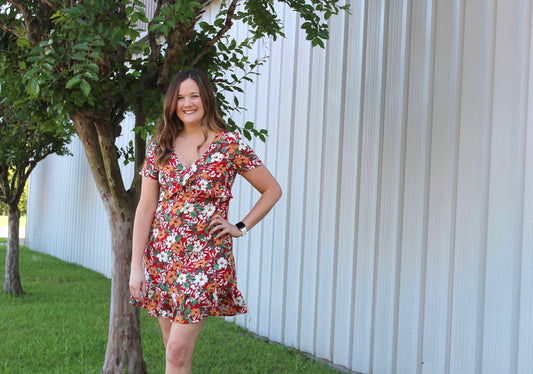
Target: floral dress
<point>189,274</point>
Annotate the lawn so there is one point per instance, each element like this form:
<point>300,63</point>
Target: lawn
<point>60,326</point>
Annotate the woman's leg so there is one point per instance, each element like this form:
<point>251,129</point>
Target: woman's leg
<point>165,324</point>
<point>180,340</point>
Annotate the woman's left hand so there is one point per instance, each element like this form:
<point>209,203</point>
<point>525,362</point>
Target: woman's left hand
<point>221,227</point>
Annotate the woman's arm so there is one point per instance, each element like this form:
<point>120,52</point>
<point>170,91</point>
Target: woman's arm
<point>270,191</point>
<point>144,216</point>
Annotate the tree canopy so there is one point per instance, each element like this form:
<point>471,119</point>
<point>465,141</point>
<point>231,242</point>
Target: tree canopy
<point>30,130</point>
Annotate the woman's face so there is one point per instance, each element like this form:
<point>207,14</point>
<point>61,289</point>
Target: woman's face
<point>190,108</point>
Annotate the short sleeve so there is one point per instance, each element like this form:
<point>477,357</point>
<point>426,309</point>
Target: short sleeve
<point>150,169</point>
<point>245,158</point>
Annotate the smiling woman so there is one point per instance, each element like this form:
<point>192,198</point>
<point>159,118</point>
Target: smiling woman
<point>190,109</point>
<point>182,268</point>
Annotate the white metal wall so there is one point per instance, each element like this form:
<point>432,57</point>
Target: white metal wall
<point>66,217</point>
<point>404,239</point>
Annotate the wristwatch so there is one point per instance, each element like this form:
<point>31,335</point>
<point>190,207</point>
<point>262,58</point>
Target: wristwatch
<point>241,226</point>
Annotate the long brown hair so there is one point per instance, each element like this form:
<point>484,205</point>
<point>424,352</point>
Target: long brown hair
<point>169,128</point>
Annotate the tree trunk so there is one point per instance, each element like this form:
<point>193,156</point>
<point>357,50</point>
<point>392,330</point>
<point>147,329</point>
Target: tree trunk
<point>124,351</point>
<point>12,277</point>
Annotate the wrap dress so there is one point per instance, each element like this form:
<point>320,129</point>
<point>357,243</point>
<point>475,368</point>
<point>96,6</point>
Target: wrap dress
<point>189,274</point>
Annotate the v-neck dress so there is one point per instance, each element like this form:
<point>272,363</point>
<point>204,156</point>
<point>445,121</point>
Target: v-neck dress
<point>189,274</point>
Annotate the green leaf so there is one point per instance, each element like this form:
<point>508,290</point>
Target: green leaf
<point>91,75</point>
<point>33,87</point>
<point>93,67</point>
<point>143,17</point>
<point>85,87</point>
<point>82,46</point>
<point>155,27</point>
<point>23,43</point>
<point>170,23</point>
<point>73,81</point>
<point>79,56</point>
<point>79,66</point>
<point>98,42</point>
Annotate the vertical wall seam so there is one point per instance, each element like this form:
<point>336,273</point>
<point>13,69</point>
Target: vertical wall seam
<point>340,159</point>
<point>491,44</point>
<point>460,16</point>
<point>306,182</point>
<point>290,181</point>
<point>384,68</point>
<point>262,234</point>
<point>515,339</point>
<point>248,203</point>
<point>323,191</point>
<point>272,234</point>
<point>347,19</point>
<point>430,49</point>
<point>360,123</point>
<point>304,198</point>
<point>287,215</point>
<point>401,183</point>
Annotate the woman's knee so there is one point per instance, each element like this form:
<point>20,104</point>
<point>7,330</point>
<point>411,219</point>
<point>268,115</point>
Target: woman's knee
<point>178,354</point>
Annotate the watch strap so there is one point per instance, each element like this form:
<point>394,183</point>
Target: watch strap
<point>241,226</point>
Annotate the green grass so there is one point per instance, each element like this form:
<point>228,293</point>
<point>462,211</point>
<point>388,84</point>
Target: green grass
<point>3,221</point>
<point>60,326</point>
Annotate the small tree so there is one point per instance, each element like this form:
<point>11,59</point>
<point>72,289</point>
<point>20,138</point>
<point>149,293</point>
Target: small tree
<point>85,59</point>
<point>29,131</point>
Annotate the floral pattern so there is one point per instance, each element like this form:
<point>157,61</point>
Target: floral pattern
<point>189,274</point>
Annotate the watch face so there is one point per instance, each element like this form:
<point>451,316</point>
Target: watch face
<point>240,225</point>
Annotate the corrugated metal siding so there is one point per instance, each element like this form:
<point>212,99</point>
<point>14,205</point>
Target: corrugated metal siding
<point>404,239</point>
<point>65,213</point>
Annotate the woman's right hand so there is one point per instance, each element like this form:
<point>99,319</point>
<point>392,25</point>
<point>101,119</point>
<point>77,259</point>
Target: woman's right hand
<point>137,284</point>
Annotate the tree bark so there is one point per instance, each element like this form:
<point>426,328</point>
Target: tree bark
<point>12,282</point>
<point>124,350</point>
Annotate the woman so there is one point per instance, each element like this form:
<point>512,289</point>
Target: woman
<point>182,267</point>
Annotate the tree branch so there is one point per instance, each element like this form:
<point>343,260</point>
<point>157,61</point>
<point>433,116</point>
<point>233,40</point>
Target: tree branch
<point>140,151</point>
<point>11,31</point>
<point>155,50</point>
<point>175,41</point>
<point>227,26</point>
<point>89,137</point>
<point>25,15</point>
<point>109,157</point>
<point>50,5</point>
<point>4,184</point>
<point>22,177</point>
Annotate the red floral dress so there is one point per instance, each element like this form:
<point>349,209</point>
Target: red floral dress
<point>189,274</point>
